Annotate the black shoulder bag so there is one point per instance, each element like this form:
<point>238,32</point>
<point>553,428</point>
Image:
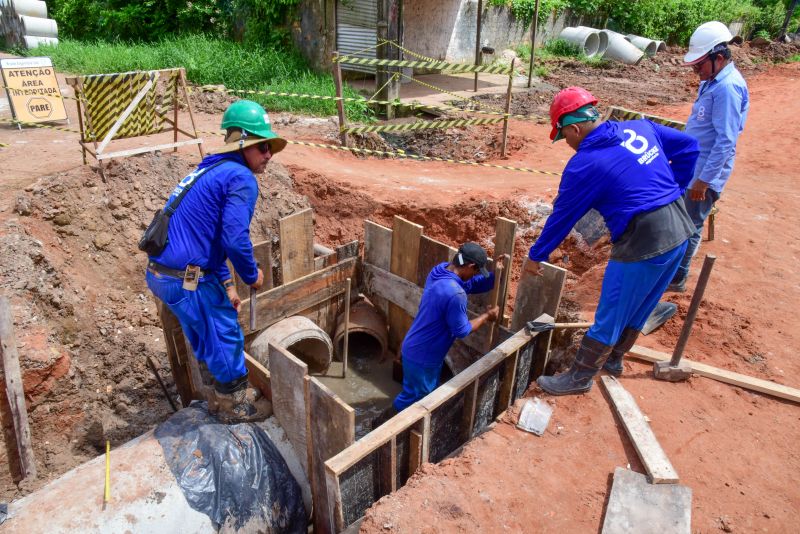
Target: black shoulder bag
<point>154,239</point>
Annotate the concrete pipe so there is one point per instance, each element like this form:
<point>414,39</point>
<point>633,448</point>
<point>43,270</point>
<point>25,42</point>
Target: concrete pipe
<point>31,8</point>
<point>368,331</point>
<point>32,42</point>
<point>36,27</point>
<point>300,336</point>
<point>649,46</point>
<point>619,49</point>
<point>145,496</point>
<point>603,45</point>
<point>587,39</point>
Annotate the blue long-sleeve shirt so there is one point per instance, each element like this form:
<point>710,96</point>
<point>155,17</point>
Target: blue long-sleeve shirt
<point>442,315</point>
<point>621,169</point>
<point>717,119</point>
<point>212,222</point>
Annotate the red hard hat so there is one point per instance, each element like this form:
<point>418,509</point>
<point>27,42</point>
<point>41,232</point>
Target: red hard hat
<point>566,101</point>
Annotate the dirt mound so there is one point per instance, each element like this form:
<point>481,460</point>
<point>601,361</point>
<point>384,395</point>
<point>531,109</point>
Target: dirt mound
<point>478,144</point>
<point>85,320</point>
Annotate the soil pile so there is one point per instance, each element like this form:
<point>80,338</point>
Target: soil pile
<point>84,319</point>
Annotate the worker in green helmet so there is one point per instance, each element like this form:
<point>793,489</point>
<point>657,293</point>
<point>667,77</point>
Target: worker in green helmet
<point>211,209</point>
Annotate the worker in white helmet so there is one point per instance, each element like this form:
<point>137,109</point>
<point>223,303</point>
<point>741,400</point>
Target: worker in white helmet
<point>717,119</point>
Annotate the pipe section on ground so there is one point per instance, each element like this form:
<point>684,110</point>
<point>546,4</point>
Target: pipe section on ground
<point>145,496</point>
<point>620,49</point>
<point>587,39</point>
<point>365,321</point>
<point>39,27</point>
<point>31,8</point>
<point>648,46</point>
<point>300,336</point>
<point>603,44</point>
<point>32,42</point>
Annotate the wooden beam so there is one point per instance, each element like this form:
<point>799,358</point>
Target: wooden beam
<point>177,353</point>
<point>334,499</point>
<point>414,451</point>
<point>258,375</point>
<point>377,245</point>
<point>15,391</point>
<point>537,295</point>
<point>405,254</point>
<point>644,440</point>
<point>287,380</point>
<point>262,252</point>
<point>333,429</point>
<point>470,405</point>
<point>508,379</point>
<point>431,254</point>
<point>292,298</point>
<point>297,245</point>
<point>143,149</point>
<point>722,375</point>
<point>504,239</point>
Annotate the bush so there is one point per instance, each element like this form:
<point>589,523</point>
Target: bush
<point>210,61</point>
<point>562,48</point>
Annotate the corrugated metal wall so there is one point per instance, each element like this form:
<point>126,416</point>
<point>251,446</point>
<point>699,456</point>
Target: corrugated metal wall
<point>356,22</point>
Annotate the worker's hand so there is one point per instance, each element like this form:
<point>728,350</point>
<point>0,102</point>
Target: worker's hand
<point>259,281</point>
<point>698,190</point>
<point>493,313</point>
<point>233,296</point>
<point>533,267</point>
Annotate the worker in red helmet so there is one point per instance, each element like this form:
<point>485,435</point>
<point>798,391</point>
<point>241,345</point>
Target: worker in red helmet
<point>634,173</point>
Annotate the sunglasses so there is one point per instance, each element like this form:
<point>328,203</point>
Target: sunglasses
<point>697,66</point>
<point>264,148</point>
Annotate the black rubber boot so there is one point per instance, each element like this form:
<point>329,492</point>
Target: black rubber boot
<point>614,362</point>
<point>578,379</point>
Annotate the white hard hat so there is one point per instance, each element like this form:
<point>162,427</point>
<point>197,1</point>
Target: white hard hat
<point>704,39</point>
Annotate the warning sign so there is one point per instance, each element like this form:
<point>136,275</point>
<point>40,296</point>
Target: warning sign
<point>32,89</point>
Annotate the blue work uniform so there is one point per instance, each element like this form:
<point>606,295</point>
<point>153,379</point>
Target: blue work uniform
<point>211,224</point>
<point>442,317</point>
<point>634,173</point>
<point>717,119</point>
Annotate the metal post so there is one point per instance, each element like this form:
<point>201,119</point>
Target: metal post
<point>478,56</point>
<point>337,81</point>
<point>346,329</point>
<point>508,110</point>
<point>533,39</point>
<point>708,263</point>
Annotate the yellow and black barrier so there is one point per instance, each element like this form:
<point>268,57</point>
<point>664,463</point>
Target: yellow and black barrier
<point>443,66</point>
<point>617,113</point>
<point>421,125</point>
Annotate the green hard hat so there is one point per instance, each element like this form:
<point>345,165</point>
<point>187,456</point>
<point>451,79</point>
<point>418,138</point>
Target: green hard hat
<point>253,119</point>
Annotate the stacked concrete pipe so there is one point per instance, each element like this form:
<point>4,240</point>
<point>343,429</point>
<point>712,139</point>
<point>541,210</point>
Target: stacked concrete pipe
<point>587,39</point>
<point>620,49</point>
<point>25,23</point>
<point>649,46</point>
<point>300,336</point>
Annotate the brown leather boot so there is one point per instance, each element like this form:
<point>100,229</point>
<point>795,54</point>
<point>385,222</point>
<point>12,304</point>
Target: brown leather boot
<point>243,406</point>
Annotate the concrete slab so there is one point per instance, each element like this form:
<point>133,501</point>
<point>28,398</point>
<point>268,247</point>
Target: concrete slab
<point>637,506</point>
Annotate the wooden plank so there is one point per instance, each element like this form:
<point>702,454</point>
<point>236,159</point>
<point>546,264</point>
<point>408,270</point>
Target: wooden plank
<point>377,438</point>
<point>638,506</point>
<point>334,499</point>
<point>468,415</point>
<point>287,380</point>
<point>177,353</point>
<point>297,245</point>
<point>504,239</point>
<point>508,380</point>
<point>431,254</point>
<point>262,252</point>
<point>348,250</point>
<point>292,298</point>
<point>15,391</point>
<point>405,254</point>
<point>258,375</point>
<point>415,452</point>
<point>644,440</point>
<point>143,149</point>
<point>377,245</point>
<point>333,429</point>
<point>537,295</point>
<point>722,375</point>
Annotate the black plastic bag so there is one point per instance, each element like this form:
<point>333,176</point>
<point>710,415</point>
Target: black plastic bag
<point>232,473</point>
<point>154,239</point>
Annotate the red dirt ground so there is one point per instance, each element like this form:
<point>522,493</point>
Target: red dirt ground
<point>735,449</point>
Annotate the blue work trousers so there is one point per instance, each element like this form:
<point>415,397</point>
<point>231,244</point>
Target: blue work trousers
<point>630,293</point>
<point>698,211</point>
<point>418,381</point>
<point>209,322</point>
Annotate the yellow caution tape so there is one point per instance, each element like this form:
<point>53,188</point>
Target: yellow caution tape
<point>443,66</point>
<point>420,125</point>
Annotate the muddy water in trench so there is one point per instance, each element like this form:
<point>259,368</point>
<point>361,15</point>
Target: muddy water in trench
<point>369,387</point>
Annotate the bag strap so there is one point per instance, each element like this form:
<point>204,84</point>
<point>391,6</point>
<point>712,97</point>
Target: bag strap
<point>170,209</point>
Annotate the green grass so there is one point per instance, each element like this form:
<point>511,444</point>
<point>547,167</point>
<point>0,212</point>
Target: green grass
<point>795,57</point>
<point>211,61</point>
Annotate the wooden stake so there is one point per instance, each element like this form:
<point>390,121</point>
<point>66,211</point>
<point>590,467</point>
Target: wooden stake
<point>189,109</point>
<point>14,390</point>
<point>508,109</point>
<point>346,329</point>
<point>337,81</point>
<point>533,40</point>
